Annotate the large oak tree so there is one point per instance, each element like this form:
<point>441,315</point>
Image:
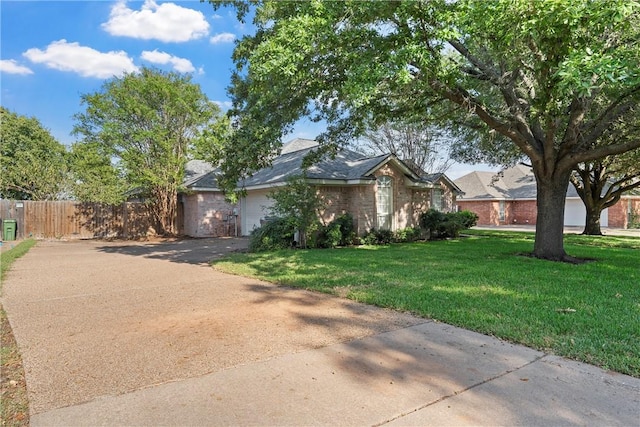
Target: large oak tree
<point>145,124</point>
<point>548,77</point>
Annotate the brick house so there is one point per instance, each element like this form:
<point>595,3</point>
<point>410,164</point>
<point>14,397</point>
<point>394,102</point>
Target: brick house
<point>380,192</point>
<point>510,198</point>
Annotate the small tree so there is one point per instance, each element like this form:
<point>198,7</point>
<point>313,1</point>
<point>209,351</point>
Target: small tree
<point>298,203</point>
<point>147,123</point>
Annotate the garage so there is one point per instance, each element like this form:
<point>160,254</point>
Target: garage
<point>254,207</point>
<point>575,214</point>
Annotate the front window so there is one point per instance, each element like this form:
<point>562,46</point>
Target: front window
<point>501,214</point>
<point>384,202</point>
<point>436,202</point>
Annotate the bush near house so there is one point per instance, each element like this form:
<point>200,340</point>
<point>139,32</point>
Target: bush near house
<point>279,233</point>
<point>339,232</point>
<point>442,225</point>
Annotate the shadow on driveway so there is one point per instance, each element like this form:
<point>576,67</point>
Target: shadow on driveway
<point>191,251</point>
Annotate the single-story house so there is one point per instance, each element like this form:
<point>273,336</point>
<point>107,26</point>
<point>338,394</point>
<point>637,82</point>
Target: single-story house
<point>380,192</point>
<point>510,198</point>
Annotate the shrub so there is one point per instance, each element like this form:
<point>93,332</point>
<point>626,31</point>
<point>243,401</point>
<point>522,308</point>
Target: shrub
<point>445,225</point>
<point>378,237</point>
<point>409,234</point>
<point>468,219</point>
<point>431,219</point>
<point>273,235</point>
<point>339,232</point>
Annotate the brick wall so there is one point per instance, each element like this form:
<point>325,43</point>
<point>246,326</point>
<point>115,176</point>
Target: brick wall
<point>522,212</point>
<point>206,214</point>
<point>619,213</point>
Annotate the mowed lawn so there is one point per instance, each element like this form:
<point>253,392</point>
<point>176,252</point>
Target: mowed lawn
<point>485,282</point>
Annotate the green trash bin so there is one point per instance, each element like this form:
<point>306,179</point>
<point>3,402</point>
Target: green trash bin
<point>9,227</point>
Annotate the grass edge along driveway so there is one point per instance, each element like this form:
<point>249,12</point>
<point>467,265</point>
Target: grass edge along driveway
<point>485,282</point>
<point>13,387</point>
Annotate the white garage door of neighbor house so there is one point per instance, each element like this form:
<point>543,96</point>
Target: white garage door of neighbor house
<point>254,208</point>
<point>575,214</point>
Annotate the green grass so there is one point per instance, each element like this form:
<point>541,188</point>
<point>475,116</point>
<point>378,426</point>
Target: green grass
<point>588,312</point>
<point>14,410</point>
<point>7,257</point>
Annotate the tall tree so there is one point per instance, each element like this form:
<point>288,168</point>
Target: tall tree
<point>94,176</point>
<point>421,145</point>
<point>529,72</point>
<point>147,122</point>
<point>601,183</point>
<point>33,164</point>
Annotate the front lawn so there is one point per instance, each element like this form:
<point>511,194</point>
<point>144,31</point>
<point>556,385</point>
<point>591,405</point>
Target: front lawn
<point>486,283</point>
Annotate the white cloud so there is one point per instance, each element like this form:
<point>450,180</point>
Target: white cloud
<point>222,38</point>
<point>167,22</point>
<point>181,65</point>
<point>224,105</point>
<point>83,60</point>
<point>11,66</point>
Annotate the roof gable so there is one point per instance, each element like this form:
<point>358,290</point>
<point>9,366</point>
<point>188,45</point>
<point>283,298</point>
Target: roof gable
<point>347,167</point>
<point>517,182</point>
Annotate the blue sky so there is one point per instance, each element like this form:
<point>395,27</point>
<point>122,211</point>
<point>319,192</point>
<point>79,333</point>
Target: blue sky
<point>52,52</point>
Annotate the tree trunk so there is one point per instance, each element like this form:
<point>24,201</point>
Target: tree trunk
<point>551,197</point>
<point>592,224</point>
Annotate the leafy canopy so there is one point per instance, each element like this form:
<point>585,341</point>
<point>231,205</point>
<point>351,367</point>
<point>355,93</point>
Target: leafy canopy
<point>542,80</point>
<point>145,125</point>
<point>33,164</point>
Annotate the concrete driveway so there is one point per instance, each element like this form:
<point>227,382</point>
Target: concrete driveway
<point>149,334</point>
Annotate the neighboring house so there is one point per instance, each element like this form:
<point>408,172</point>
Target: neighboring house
<point>510,198</point>
<point>380,192</point>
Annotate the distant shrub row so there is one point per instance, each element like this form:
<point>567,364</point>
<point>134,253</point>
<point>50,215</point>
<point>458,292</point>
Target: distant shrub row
<point>278,233</point>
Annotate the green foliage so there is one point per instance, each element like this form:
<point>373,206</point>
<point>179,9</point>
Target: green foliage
<point>297,203</point>
<point>275,234</point>
<point>146,123</point>
<point>33,165</point>
<point>446,225</point>
<point>95,177</point>
<point>8,257</point>
<point>543,80</point>
<point>408,234</point>
<point>339,232</point>
<point>378,237</point>
<point>468,219</point>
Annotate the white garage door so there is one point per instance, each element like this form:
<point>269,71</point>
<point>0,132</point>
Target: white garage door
<point>575,214</point>
<point>254,207</point>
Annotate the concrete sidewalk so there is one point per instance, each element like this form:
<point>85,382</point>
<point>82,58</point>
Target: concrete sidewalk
<point>147,335</point>
<point>428,374</point>
<point>606,231</point>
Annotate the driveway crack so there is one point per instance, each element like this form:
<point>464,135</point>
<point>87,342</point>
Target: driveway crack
<point>459,392</point>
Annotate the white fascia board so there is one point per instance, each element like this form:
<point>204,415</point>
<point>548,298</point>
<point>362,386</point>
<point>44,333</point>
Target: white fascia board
<point>341,182</point>
<point>263,186</point>
<point>205,190</point>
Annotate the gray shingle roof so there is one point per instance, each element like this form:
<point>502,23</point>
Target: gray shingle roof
<point>346,166</point>
<point>194,170</point>
<point>517,182</point>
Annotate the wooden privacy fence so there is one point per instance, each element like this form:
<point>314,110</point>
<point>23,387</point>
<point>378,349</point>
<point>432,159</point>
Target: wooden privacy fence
<point>75,220</point>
